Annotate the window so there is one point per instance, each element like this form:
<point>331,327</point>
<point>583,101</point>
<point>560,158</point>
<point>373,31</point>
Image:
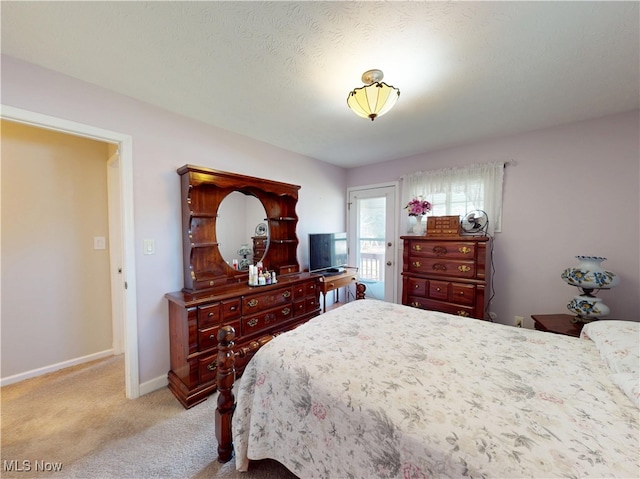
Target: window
<point>456,191</point>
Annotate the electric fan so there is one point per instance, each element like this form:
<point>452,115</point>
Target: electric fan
<point>475,222</point>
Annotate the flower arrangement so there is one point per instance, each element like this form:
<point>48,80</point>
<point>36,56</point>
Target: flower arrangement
<point>418,207</point>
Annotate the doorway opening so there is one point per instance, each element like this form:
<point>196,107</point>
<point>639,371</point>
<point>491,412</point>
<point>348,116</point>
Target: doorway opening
<point>121,230</point>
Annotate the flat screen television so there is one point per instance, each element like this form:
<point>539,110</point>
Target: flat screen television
<point>327,252</point>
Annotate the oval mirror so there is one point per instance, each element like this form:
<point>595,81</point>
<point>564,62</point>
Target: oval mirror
<point>239,215</point>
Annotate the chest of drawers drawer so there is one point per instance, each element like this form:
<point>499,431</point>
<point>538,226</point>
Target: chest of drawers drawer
<point>463,250</point>
<point>442,267</point>
<point>453,292</point>
<point>433,305</point>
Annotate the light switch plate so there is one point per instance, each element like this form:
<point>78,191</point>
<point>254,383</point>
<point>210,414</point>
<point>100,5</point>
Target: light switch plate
<point>149,246</point>
<point>99,242</point>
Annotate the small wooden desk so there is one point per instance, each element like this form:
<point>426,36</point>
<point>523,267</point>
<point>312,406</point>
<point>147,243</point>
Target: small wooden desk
<point>335,281</point>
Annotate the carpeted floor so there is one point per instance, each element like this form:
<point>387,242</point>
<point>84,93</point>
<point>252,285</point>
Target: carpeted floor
<point>77,423</point>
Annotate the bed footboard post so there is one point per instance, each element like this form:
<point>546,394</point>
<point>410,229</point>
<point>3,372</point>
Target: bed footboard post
<point>226,401</point>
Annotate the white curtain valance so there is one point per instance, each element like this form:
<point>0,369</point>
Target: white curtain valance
<point>481,184</point>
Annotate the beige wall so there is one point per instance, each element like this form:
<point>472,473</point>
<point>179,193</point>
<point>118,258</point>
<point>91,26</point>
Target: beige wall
<point>56,297</point>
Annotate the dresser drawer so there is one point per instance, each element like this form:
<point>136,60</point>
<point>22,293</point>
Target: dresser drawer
<point>230,309</point>
<point>311,304</point>
<point>445,249</point>
<point>417,287</point>
<point>299,291</point>
<point>456,293</point>
<point>265,320</point>
<point>439,290</point>
<point>208,337</point>
<point>311,287</point>
<point>209,314</point>
<point>207,368</point>
<point>442,267</point>
<point>463,294</point>
<point>298,307</point>
<point>258,302</point>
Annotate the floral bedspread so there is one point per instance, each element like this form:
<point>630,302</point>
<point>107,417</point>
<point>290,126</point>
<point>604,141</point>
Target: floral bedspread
<point>375,389</point>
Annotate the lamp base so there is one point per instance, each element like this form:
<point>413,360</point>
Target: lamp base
<point>587,308</point>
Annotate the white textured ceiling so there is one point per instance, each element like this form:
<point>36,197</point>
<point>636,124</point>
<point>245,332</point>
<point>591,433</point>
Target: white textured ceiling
<point>280,72</point>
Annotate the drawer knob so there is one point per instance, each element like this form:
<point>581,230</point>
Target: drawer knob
<point>464,249</point>
<point>415,304</point>
<point>212,336</point>
<point>252,322</point>
<point>461,293</point>
<point>463,268</point>
<point>417,264</point>
<point>233,308</point>
<point>438,290</point>
<point>286,294</point>
<point>463,313</point>
<point>210,314</point>
<point>211,366</point>
<point>286,311</point>
<point>253,303</point>
<point>417,247</point>
<point>416,286</point>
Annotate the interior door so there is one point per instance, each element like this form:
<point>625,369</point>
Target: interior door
<point>372,233</point>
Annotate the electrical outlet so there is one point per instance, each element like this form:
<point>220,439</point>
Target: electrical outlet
<point>518,321</point>
<point>493,316</point>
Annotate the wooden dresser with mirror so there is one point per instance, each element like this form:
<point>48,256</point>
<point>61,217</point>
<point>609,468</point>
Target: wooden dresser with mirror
<point>220,211</point>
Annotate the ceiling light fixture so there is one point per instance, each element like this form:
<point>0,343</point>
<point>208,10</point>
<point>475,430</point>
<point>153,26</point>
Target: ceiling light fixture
<point>375,98</point>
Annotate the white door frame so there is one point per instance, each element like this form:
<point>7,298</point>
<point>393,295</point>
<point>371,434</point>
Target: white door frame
<point>125,295</point>
<point>393,277</point>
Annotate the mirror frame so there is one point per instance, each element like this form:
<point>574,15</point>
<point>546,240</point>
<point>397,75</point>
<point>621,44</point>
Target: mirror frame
<point>203,190</point>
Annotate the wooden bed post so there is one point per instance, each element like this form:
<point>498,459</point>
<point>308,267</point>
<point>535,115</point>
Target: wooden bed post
<point>226,401</point>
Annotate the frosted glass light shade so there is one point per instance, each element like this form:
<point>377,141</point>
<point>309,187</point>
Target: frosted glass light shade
<point>374,100</point>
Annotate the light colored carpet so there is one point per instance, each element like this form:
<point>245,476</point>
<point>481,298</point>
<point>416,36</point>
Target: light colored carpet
<point>80,419</point>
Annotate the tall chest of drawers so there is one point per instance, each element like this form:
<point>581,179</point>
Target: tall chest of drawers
<point>195,318</point>
<point>446,274</point>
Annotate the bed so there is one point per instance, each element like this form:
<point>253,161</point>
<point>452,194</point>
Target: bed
<point>375,389</point>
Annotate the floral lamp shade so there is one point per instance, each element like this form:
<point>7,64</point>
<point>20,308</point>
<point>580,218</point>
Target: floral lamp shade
<point>589,277</point>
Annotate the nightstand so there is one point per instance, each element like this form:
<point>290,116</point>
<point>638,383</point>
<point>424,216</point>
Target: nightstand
<point>557,323</point>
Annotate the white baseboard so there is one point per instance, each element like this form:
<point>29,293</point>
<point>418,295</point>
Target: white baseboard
<point>153,385</point>
<point>54,367</point>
